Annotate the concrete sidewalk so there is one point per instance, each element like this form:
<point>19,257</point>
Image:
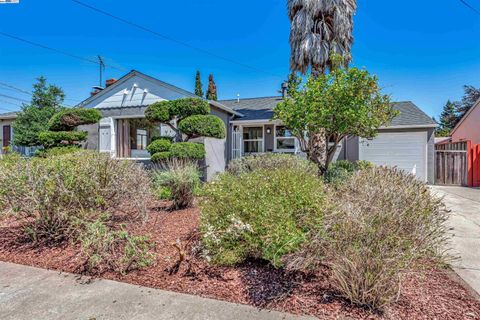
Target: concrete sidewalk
<point>464,220</point>
<point>31,293</point>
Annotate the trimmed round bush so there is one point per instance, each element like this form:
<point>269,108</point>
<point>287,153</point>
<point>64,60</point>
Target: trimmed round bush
<point>51,139</point>
<point>160,156</point>
<point>203,126</point>
<point>159,112</point>
<point>183,108</point>
<point>68,119</point>
<point>187,150</point>
<point>270,161</point>
<point>160,145</point>
<point>264,214</point>
<point>155,138</point>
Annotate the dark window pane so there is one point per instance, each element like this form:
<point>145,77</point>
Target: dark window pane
<point>286,144</point>
<point>250,133</point>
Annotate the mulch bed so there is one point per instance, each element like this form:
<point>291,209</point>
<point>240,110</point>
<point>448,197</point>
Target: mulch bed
<point>431,295</point>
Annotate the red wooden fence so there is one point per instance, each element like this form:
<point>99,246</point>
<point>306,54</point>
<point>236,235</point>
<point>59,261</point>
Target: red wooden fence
<point>458,163</point>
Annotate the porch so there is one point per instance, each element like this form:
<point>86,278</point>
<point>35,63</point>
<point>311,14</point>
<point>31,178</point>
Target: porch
<point>254,137</point>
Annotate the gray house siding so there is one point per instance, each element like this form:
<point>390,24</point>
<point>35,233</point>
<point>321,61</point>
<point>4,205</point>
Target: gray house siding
<point>226,120</point>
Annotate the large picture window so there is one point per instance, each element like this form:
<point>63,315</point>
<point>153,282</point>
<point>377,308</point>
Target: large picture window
<point>252,140</point>
<point>284,139</point>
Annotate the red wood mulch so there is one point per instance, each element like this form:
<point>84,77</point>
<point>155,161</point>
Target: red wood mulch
<point>434,295</point>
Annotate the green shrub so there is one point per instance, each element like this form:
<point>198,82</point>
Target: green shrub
<point>187,150</point>
<point>105,249</point>
<point>182,179</point>
<point>261,214</point>
<point>51,139</point>
<point>159,112</point>
<point>57,151</point>
<point>203,126</point>
<point>160,156</point>
<point>270,161</point>
<point>339,171</point>
<point>160,145</point>
<point>385,222</point>
<point>68,119</point>
<point>183,108</point>
<point>51,195</point>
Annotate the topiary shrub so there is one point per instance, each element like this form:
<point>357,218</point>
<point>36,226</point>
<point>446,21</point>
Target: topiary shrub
<point>68,119</point>
<point>264,214</point>
<point>270,161</point>
<point>181,179</point>
<point>183,108</point>
<point>160,156</point>
<point>385,222</point>
<point>159,112</point>
<point>187,150</point>
<point>203,126</point>
<point>51,139</point>
<point>160,145</point>
<point>168,138</point>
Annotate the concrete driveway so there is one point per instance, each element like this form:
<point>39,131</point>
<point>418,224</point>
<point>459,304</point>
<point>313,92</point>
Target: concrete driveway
<point>464,220</point>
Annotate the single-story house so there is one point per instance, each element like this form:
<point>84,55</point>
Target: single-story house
<point>123,132</point>
<point>468,127</point>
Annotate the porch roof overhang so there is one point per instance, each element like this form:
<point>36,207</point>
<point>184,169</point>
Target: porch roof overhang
<point>256,121</point>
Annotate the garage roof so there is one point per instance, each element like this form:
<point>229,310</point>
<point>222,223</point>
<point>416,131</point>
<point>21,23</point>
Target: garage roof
<point>262,109</point>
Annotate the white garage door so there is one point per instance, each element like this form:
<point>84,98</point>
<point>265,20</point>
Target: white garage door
<point>404,150</point>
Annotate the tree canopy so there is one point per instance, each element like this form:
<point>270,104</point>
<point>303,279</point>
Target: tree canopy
<point>33,118</point>
<point>448,119</point>
<point>212,89</point>
<point>346,101</point>
<point>198,85</point>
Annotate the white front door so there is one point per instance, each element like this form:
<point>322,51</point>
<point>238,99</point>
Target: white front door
<point>404,150</point>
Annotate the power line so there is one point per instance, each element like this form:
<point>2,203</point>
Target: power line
<point>169,38</point>
<point>71,55</point>
<point>9,102</point>
<point>13,98</point>
<point>15,88</point>
<point>470,6</point>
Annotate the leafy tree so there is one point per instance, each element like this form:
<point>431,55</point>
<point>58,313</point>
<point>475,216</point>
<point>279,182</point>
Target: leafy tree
<point>198,85</point>
<point>448,119</point>
<point>346,101</point>
<point>212,89</point>
<point>33,118</point>
<point>319,31</point>
<point>189,118</point>
<point>470,97</point>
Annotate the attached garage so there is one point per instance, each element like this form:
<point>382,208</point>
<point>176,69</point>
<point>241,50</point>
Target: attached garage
<point>404,150</point>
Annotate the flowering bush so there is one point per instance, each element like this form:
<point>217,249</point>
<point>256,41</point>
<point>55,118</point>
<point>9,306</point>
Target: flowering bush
<point>261,214</point>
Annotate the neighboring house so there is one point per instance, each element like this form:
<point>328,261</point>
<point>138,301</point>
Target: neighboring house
<point>6,131</point>
<point>469,126</point>
<point>407,143</point>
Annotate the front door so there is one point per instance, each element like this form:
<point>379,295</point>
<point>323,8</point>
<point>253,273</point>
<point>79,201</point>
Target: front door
<point>7,136</point>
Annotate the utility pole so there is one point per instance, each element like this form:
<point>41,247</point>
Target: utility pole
<point>102,68</point>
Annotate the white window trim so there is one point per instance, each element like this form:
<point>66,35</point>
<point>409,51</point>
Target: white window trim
<point>275,138</point>
<point>252,140</point>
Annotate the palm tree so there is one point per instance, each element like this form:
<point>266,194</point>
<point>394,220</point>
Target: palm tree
<point>319,28</point>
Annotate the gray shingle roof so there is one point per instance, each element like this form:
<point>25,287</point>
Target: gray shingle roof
<point>261,109</point>
<point>8,115</point>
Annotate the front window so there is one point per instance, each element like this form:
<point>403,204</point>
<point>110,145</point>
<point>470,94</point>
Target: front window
<point>252,140</point>
<point>141,139</point>
<point>285,141</point>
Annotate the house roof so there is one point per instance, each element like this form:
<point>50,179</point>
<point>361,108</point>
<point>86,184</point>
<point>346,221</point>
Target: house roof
<point>262,109</point>
<point>134,73</point>
<point>476,105</point>
<point>8,115</point>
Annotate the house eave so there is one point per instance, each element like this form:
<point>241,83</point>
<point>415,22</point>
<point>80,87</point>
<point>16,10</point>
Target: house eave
<point>419,126</point>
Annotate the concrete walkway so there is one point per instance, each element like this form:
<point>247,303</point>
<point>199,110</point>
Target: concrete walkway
<point>465,223</point>
<point>31,293</point>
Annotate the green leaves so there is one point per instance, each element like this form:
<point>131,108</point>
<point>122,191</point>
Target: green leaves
<point>51,139</point>
<point>166,111</point>
<point>203,126</point>
<point>68,119</point>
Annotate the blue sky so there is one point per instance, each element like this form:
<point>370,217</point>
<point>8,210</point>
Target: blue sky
<point>422,50</point>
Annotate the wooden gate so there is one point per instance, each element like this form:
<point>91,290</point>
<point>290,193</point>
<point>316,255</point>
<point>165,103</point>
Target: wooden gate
<point>453,164</point>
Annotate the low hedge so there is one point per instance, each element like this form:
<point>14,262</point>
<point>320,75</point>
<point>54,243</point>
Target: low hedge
<point>160,156</point>
<point>51,139</point>
<point>68,119</point>
<point>187,150</point>
<point>203,126</point>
